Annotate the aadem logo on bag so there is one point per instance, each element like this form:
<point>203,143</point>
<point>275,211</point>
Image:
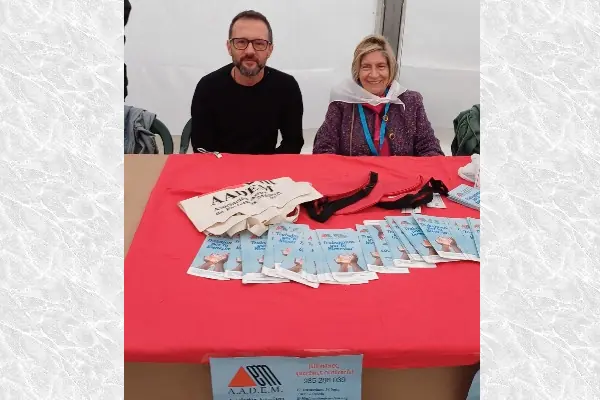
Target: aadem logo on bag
<point>254,379</point>
<point>249,190</point>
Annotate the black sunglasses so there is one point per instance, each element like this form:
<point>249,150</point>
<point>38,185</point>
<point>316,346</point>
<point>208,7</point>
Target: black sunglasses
<point>257,44</point>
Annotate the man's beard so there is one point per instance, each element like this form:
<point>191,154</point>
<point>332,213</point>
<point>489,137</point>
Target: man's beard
<point>248,72</point>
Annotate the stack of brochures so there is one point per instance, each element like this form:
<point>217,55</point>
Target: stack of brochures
<point>466,195</point>
<point>293,252</point>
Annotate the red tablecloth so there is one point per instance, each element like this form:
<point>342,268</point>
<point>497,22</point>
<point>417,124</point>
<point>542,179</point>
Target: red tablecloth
<point>427,318</point>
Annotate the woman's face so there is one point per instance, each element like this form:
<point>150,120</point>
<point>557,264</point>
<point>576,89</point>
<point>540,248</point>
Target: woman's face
<point>374,73</point>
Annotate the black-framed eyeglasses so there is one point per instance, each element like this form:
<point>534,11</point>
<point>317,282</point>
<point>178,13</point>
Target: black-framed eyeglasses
<point>257,44</point>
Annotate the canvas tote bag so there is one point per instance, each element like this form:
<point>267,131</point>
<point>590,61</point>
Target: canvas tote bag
<point>251,206</point>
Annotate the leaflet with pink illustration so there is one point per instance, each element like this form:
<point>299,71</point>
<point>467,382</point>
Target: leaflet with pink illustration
<point>344,255</point>
<point>440,236</point>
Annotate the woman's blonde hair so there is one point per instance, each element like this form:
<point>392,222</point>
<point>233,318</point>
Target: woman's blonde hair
<point>368,45</point>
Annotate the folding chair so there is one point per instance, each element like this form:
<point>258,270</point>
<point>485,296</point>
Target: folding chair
<point>185,137</point>
<point>160,129</point>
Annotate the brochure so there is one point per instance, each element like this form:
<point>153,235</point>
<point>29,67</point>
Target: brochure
<point>233,266</point>
<point>382,247</point>
<point>211,258</point>
<point>415,259</point>
<point>466,195</point>
<point>399,252</point>
<point>376,261</point>
<point>440,237</point>
<point>282,239</point>
<point>412,231</point>
<point>314,256</point>
<point>344,255</point>
<point>324,274</point>
<point>413,254</point>
<point>475,226</point>
<point>464,237</point>
<point>253,251</point>
<point>299,266</point>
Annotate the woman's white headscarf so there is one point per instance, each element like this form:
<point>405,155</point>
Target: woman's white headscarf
<point>348,91</point>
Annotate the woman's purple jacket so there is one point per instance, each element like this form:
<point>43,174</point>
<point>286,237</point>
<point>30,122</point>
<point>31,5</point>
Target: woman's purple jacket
<point>412,131</point>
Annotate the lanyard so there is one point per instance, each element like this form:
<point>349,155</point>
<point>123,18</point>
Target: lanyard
<point>367,133</point>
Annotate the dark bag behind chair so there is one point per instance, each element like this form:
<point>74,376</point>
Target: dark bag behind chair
<point>466,133</point>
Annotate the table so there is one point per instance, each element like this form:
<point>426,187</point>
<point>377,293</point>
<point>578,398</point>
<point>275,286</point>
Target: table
<point>157,368</point>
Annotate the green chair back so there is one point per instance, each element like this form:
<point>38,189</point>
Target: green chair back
<point>185,137</point>
<point>160,129</point>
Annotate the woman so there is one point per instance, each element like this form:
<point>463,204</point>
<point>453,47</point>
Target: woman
<point>371,114</point>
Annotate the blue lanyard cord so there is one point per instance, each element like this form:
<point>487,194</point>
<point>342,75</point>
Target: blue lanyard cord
<point>367,132</point>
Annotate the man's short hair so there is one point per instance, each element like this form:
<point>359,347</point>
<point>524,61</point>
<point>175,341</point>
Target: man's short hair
<point>251,14</point>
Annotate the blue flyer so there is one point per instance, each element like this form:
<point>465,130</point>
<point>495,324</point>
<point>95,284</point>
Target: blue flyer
<point>440,236</point>
<point>282,239</point>
<point>466,195</point>
<point>344,255</point>
<point>253,256</point>
<point>286,378</point>
<point>211,258</point>
<point>464,237</point>
<point>299,266</point>
<point>233,265</point>
<point>475,226</point>
<point>376,261</point>
<point>395,222</point>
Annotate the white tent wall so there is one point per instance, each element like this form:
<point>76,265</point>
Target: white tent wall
<point>440,59</point>
<point>171,44</point>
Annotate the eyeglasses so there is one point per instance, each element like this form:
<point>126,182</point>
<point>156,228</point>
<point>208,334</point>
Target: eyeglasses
<point>257,44</point>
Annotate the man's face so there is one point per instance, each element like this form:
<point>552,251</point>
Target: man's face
<point>250,61</point>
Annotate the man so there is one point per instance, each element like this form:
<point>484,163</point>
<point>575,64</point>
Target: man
<point>240,107</point>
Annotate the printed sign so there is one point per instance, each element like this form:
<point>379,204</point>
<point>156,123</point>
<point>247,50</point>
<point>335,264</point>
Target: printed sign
<point>286,378</point>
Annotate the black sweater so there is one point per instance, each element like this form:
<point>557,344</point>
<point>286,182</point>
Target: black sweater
<point>232,118</point>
